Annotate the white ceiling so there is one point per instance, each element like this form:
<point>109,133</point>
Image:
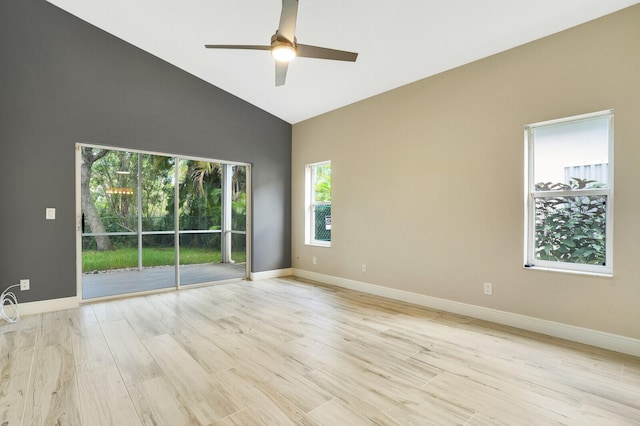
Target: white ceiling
<point>398,41</point>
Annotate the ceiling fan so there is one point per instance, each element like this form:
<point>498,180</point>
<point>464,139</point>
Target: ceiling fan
<point>284,46</point>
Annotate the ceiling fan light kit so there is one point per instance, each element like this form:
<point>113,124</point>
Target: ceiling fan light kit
<point>282,50</point>
<point>284,47</point>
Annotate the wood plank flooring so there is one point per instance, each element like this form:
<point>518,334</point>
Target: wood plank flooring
<point>284,352</point>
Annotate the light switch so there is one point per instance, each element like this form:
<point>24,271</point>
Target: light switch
<point>50,213</point>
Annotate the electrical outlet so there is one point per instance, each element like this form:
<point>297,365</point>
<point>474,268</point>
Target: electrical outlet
<point>488,289</point>
<point>24,285</point>
<point>314,260</point>
<point>364,267</point>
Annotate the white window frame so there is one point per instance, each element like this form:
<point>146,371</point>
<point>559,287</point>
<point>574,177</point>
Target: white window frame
<point>530,261</point>
<point>310,225</point>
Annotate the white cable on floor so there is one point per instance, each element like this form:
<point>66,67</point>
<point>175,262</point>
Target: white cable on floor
<point>8,300</point>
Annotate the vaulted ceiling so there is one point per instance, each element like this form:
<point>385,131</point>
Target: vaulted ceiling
<point>398,41</point>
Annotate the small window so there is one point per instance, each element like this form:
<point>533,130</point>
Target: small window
<point>318,201</point>
<point>569,218</point>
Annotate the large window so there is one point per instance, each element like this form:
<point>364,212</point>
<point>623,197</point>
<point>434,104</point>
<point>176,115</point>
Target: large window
<point>569,208</point>
<point>318,201</point>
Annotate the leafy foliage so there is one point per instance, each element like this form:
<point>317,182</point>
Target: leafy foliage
<point>570,228</point>
<point>200,191</point>
<point>322,194</point>
<point>322,187</point>
<point>112,190</point>
<point>118,211</point>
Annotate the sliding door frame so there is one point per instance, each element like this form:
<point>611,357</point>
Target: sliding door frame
<point>225,231</point>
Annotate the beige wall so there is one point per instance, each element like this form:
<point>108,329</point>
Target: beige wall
<point>428,178</point>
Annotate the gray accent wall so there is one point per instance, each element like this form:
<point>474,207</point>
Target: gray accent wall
<point>64,81</point>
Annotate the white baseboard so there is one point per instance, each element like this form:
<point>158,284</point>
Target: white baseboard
<point>42,306</point>
<point>277,273</point>
<point>587,336</point>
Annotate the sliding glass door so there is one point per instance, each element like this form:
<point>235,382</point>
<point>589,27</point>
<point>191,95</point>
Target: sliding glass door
<point>156,247</point>
<point>129,236</point>
<point>236,248</point>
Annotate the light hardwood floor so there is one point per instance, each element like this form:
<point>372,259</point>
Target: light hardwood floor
<point>283,352</point>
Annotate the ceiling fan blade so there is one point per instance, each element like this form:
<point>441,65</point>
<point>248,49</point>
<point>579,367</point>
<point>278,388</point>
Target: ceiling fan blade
<point>287,27</point>
<point>237,46</point>
<point>281,72</point>
<point>306,51</point>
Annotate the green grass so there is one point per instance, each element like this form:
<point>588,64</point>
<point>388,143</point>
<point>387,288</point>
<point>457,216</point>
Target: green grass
<point>128,258</point>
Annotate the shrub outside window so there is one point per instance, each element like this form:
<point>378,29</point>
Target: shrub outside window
<point>569,184</point>
<point>318,201</point>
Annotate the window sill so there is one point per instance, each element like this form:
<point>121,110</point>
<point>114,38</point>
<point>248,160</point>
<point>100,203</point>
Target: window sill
<point>569,271</point>
<point>319,243</point>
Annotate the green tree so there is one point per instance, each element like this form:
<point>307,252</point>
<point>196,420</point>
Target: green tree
<point>157,188</point>
<point>200,194</point>
<point>89,156</point>
<point>110,194</point>
<point>200,191</point>
<point>113,188</point>
<point>570,228</point>
<point>323,183</point>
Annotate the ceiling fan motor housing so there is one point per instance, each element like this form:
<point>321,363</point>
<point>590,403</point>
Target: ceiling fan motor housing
<point>278,40</point>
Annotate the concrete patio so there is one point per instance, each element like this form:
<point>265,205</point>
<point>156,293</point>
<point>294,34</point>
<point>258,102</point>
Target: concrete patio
<point>112,283</point>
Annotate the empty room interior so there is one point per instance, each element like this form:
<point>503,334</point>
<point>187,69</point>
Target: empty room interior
<point>429,216</point>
